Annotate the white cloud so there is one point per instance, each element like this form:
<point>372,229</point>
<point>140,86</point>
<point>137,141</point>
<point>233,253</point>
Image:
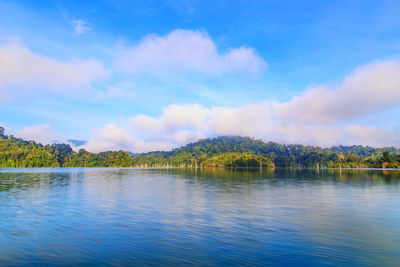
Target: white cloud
<point>80,26</point>
<point>113,138</point>
<point>187,51</point>
<point>110,138</point>
<point>185,116</point>
<point>184,137</point>
<point>369,89</point>
<point>23,70</point>
<point>42,133</point>
<point>248,120</point>
<point>183,124</point>
<point>178,124</point>
<point>146,124</point>
<point>173,118</point>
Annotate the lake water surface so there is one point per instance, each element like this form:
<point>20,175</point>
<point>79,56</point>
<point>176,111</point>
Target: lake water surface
<point>202,217</point>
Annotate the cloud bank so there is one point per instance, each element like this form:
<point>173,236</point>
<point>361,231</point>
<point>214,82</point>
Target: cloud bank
<point>322,116</point>
<point>187,51</point>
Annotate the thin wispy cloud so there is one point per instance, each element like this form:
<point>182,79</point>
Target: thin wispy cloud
<point>80,26</point>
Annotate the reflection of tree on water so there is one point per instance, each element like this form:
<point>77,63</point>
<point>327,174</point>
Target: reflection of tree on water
<point>9,181</point>
<point>16,180</point>
<point>285,174</point>
<point>224,173</point>
<point>23,180</point>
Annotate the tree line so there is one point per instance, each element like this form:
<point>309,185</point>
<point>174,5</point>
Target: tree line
<point>225,151</point>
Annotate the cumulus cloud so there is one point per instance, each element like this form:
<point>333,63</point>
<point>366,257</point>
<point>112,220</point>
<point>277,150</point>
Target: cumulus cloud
<point>187,51</point>
<point>80,26</point>
<point>192,116</point>
<point>369,89</point>
<point>22,69</point>
<point>181,124</point>
<point>178,124</point>
<point>110,138</point>
<point>42,133</point>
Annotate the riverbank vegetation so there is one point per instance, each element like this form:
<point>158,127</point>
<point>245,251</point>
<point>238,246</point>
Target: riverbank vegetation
<point>226,151</point>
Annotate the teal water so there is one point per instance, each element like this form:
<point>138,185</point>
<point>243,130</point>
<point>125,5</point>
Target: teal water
<point>203,217</point>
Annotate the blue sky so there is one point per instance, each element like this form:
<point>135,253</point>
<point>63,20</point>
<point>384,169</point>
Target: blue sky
<point>144,75</point>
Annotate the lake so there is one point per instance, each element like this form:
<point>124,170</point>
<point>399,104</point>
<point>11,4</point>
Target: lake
<point>201,217</point>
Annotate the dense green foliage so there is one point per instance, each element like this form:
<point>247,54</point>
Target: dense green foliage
<point>219,152</point>
<point>233,151</point>
<point>20,153</point>
<point>232,159</point>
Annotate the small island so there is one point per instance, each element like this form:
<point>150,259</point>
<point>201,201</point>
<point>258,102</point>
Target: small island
<point>223,151</point>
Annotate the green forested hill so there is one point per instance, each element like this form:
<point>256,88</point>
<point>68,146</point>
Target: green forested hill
<point>20,153</point>
<point>216,152</point>
<point>227,151</point>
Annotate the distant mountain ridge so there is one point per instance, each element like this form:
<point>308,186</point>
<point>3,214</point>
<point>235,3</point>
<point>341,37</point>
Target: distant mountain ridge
<point>77,142</point>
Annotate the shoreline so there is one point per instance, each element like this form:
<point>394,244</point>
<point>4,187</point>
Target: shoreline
<point>192,168</point>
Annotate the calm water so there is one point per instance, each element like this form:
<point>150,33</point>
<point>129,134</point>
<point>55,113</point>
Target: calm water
<point>208,217</point>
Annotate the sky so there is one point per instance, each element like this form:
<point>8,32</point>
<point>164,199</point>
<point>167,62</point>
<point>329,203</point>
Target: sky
<point>155,75</point>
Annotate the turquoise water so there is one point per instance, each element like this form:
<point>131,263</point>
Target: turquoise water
<point>203,217</point>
